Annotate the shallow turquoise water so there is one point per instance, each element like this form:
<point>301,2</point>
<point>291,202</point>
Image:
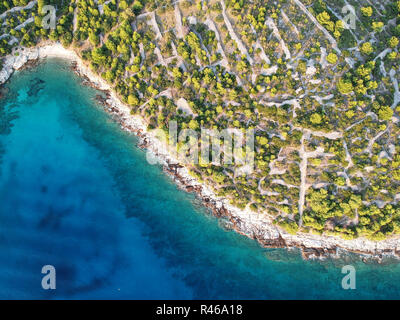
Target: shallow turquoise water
<point>77,194</point>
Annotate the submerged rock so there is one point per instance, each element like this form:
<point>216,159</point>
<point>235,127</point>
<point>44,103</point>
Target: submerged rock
<point>36,86</point>
<point>3,92</point>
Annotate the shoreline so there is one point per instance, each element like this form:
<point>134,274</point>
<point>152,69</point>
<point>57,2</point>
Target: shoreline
<point>257,226</point>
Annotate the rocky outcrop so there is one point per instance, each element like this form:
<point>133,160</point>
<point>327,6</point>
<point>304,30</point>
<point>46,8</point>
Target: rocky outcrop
<point>6,72</point>
<point>22,58</point>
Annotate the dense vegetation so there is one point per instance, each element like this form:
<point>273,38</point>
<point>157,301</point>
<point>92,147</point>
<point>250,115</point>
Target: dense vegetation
<point>323,99</point>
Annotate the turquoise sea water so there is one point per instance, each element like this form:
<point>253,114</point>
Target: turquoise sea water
<point>77,194</point>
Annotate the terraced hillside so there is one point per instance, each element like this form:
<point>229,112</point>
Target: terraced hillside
<point>319,86</point>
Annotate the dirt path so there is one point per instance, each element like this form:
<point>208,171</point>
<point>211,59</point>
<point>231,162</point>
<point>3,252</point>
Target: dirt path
<point>271,24</point>
<point>233,35</point>
<point>372,141</point>
<point>396,98</point>
<point>26,22</point>
<point>15,9</point>
<point>160,57</point>
<point>75,20</point>
<point>210,24</point>
<point>304,156</point>
<point>288,22</point>
<point>153,23</point>
<point>319,26</point>
<point>178,24</point>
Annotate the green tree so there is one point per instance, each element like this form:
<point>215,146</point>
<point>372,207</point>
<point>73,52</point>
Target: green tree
<point>137,6</point>
<point>93,38</point>
<point>316,118</point>
<point>367,48</point>
<point>133,100</point>
<point>385,113</point>
<point>332,58</point>
<point>367,11</point>
<point>345,86</point>
<point>393,42</point>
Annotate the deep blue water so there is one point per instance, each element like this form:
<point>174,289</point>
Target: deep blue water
<point>76,193</point>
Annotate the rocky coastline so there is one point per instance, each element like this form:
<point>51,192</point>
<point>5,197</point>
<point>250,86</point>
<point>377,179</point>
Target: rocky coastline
<point>257,226</point>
